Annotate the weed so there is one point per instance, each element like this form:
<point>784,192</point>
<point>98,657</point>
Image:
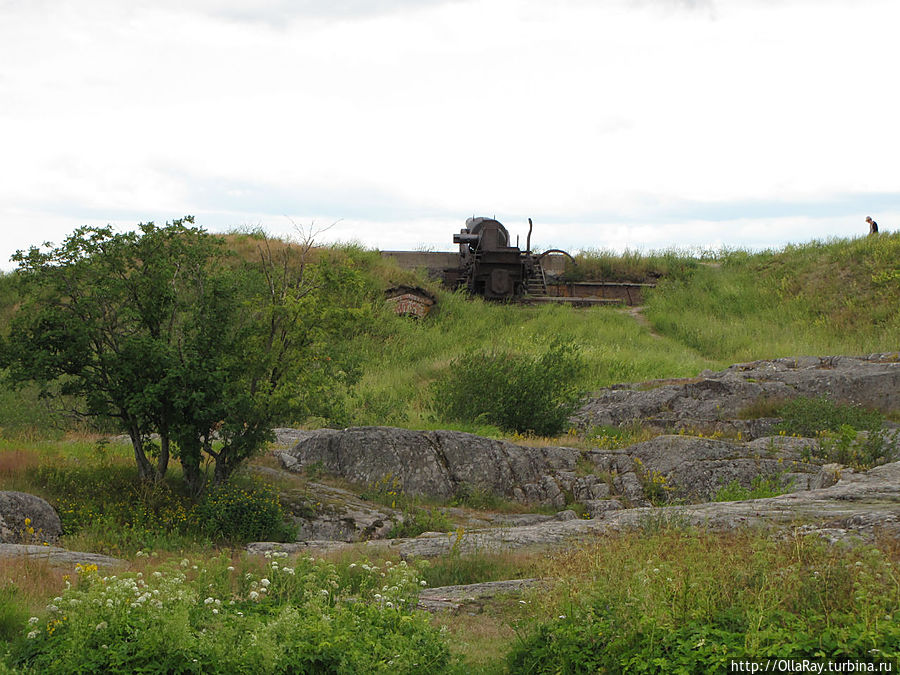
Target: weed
<point>760,488</point>
<point>655,484</point>
<point>808,417</point>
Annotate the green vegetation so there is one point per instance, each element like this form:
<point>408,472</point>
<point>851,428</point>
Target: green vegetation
<point>676,600</point>
<point>517,393</point>
<point>104,507</point>
<point>688,602</point>
<point>207,615</point>
<point>632,266</point>
<point>760,488</point>
<point>808,417</point>
<point>834,297</point>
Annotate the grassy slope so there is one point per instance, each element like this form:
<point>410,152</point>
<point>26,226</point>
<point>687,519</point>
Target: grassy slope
<point>835,297</point>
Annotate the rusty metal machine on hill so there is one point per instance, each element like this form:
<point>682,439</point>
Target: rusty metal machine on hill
<point>490,267</point>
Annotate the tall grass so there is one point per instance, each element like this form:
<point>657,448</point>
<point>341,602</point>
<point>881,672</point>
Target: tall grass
<point>401,362</point>
<point>632,266</point>
<point>678,601</point>
<point>835,297</point>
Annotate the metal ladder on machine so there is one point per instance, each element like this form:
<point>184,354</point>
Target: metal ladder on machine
<point>536,286</point>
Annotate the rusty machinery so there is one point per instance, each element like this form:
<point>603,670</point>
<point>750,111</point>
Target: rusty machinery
<point>490,267</point>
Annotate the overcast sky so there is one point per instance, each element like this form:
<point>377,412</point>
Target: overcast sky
<point>612,123</point>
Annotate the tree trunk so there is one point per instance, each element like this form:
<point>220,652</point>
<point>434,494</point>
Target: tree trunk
<point>145,469</point>
<point>221,468</point>
<point>162,464</point>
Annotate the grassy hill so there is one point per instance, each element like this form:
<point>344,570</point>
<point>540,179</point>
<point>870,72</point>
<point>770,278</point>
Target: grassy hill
<point>834,297</point>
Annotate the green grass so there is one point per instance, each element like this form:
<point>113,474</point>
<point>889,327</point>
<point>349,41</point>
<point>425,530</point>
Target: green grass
<point>105,508</point>
<point>683,601</point>
<point>834,297</point>
<point>399,367</point>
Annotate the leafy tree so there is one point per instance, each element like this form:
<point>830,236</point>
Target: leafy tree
<point>163,331</point>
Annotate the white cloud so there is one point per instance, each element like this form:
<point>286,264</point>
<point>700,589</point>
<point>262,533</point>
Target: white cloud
<point>414,115</point>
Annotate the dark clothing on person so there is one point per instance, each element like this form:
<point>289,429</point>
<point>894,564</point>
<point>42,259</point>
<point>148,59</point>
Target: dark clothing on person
<point>873,226</point>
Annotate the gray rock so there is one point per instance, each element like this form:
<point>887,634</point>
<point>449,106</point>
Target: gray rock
<point>598,508</point>
<point>57,556</point>
<point>15,508</point>
<point>436,463</point>
<point>442,464</point>
<point>452,598</point>
<point>858,506</point>
<point>714,399</point>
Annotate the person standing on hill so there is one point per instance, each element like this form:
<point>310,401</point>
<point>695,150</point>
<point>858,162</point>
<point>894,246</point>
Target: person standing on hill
<point>873,226</point>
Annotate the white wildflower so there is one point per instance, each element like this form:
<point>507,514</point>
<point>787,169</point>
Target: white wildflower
<point>33,634</point>
<point>52,608</point>
<point>254,595</point>
<point>208,601</point>
<point>158,575</point>
<point>378,596</point>
<point>389,605</point>
<point>289,570</point>
<point>264,582</point>
<point>215,611</point>
<point>101,626</point>
<point>231,568</point>
<point>324,592</point>
<point>423,583</point>
<point>33,620</point>
<point>352,565</point>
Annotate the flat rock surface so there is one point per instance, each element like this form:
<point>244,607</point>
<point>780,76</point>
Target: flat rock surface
<point>57,556</point>
<point>715,399</point>
<point>859,505</point>
<point>443,598</point>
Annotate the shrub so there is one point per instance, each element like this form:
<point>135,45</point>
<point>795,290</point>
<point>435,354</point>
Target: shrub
<point>861,451</point>
<point>239,514</point>
<point>807,416</point>
<point>417,520</point>
<point>516,392</point>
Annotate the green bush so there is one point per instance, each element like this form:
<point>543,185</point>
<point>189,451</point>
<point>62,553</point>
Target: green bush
<point>516,392</point>
<point>299,616</point>
<point>861,451</point>
<point>107,508</point>
<point>805,416</point>
<point>238,514</point>
<point>417,520</point>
